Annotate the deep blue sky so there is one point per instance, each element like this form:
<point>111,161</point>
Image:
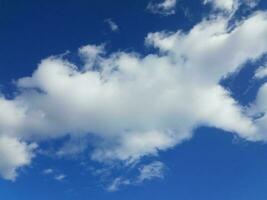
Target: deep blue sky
<point>213,165</point>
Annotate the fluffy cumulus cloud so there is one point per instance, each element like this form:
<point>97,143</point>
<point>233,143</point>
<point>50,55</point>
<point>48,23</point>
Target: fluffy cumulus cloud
<point>14,155</point>
<point>91,54</point>
<point>134,105</point>
<point>166,7</point>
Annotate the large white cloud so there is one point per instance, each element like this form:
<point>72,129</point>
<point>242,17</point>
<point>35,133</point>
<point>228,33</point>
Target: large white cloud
<point>135,105</point>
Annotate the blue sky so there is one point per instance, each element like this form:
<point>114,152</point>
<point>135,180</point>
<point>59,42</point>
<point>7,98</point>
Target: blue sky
<point>133,99</point>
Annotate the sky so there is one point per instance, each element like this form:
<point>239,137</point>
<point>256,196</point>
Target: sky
<point>127,100</point>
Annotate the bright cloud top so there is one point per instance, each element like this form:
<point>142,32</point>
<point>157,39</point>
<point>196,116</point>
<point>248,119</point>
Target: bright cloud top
<point>134,105</point>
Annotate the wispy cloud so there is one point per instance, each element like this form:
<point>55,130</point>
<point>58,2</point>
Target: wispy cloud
<point>230,6</point>
<point>48,171</point>
<point>117,183</point>
<point>60,177</point>
<point>166,7</point>
<point>55,174</point>
<point>146,172</point>
<point>151,171</point>
<point>112,25</point>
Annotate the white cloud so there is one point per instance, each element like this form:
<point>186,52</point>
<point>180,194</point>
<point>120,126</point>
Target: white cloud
<point>91,54</point>
<point>261,72</point>
<point>210,50</point>
<point>60,177</point>
<point>146,172</point>
<point>231,6</point>
<point>131,146</point>
<point>117,183</point>
<point>251,3</point>
<point>48,171</point>
<point>112,25</point>
<point>14,155</point>
<point>151,171</point>
<point>259,111</point>
<point>135,105</point>
<point>73,147</point>
<point>167,7</point>
<point>228,5</point>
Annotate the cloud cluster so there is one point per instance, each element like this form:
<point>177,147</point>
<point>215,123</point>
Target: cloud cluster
<point>133,105</point>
